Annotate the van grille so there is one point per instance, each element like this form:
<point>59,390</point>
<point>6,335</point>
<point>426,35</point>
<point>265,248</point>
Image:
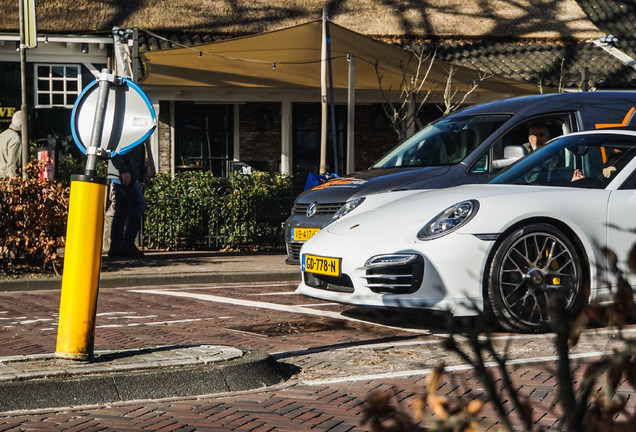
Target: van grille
<point>396,279</point>
<point>322,209</point>
<point>293,251</point>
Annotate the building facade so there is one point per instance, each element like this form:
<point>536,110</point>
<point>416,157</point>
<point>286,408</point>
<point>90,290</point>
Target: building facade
<point>229,127</point>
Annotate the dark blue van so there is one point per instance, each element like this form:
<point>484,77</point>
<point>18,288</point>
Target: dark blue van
<point>468,146</point>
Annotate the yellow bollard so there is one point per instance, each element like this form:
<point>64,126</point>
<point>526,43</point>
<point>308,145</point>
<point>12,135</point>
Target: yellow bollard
<point>82,264</point>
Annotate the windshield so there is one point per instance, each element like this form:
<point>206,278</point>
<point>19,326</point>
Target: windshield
<point>445,142</point>
<point>585,161</point>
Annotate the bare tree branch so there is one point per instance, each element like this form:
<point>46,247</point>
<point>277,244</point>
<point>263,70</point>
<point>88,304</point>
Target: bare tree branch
<point>403,107</point>
<point>449,94</point>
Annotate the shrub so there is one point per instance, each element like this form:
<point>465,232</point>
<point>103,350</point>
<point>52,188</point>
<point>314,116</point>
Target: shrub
<point>69,165</point>
<point>195,210</point>
<point>33,216</point>
<point>192,210</point>
<point>254,208</point>
<point>177,208</point>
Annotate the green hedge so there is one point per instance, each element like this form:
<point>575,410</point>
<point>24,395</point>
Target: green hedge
<point>195,210</point>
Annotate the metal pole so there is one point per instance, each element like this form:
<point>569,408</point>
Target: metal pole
<point>25,117</point>
<point>82,262</point>
<point>334,124</point>
<point>323,96</point>
<point>105,78</point>
<point>84,240</point>
<point>135,55</point>
<point>351,115</point>
<point>585,78</point>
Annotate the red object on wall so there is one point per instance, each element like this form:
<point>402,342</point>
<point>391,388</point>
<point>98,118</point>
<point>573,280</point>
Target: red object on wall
<point>48,157</point>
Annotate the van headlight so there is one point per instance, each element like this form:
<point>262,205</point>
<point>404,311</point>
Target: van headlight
<point>346,209</point>
<point>449,220</point>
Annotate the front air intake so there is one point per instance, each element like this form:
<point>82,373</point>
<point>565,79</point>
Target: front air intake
<point>329,283</point>
<point>394,274</point>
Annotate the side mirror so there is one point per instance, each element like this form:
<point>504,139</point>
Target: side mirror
<point>511,154</point>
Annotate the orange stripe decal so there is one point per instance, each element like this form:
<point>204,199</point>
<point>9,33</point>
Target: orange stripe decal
<point>333,183</point>
<point>626,120</point>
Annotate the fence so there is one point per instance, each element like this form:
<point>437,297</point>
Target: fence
<point>187,211</point>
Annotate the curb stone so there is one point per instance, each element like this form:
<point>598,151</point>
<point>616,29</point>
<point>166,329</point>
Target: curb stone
<point>252,369</point>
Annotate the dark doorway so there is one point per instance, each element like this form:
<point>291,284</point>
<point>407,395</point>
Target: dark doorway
<point>204,137</point>
<point>306,141</point>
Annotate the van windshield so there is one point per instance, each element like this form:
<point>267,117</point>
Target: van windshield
<point>445,142</point>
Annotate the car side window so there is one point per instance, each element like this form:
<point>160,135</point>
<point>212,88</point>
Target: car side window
<point>556,125</point>
<point>630,183</point>
<point>483,163</point>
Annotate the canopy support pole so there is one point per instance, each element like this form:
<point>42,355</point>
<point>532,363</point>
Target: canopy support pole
<point>286,137</point>
<point>323,95</point>
<point>334,123</point>
<point>351,115</point>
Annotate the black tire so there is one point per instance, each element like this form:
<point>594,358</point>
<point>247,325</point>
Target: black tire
<point>527,264</point>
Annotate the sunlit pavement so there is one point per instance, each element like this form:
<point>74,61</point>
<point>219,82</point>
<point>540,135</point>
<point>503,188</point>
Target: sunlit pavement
<point>338,354</point>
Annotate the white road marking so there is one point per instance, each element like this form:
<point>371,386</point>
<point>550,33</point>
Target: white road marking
<point>351,346</point>
<point>273,306</point>
<point>35,320</point>
<point>275,293</point>
<point>409,373</point>
<point>303,309</point>
<point>114,313</point>
<point>319,304</point>
<point>293,293</point>
<point>190,288</point>
<point>153,323</point>
<point>387,345</point>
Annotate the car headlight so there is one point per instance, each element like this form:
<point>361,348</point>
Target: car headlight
<point>346,209</point>
<point>449,220</point>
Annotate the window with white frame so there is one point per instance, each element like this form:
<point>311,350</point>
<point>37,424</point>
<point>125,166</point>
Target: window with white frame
<point>57,85</point>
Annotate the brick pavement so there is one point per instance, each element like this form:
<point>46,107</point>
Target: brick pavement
<point>290,407</point>
<point>133,319</point>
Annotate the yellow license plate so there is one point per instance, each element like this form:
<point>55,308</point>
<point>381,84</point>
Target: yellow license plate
<point>321,265</point>
<point>303,234</point>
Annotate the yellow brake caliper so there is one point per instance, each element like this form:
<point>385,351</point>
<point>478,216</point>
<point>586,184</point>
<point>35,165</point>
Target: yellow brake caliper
<point>554,265</point>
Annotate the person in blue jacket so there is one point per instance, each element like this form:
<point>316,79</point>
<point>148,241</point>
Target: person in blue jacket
<point>125,172</point>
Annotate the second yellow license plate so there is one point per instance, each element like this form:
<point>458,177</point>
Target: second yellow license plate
<point>303,234</point>
<point>321,265</point>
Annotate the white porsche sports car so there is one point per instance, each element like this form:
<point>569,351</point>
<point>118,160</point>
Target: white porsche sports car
<point>540,225</point>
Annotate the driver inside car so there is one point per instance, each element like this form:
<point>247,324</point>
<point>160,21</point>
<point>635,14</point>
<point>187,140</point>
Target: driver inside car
<point>609,167</point>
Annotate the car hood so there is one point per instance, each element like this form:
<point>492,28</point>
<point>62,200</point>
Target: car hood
<point>342,189</point>
<point>499,204</point>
